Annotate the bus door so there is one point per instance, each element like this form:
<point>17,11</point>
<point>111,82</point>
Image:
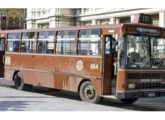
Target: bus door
<point>109,69</point>
<point>2,53</point>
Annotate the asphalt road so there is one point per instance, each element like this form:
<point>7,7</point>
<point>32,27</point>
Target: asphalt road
<point>40,99</point>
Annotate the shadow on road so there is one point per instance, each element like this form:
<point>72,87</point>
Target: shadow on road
<point>13,105</point>
<point>104,102</point>
<point>74,96</point>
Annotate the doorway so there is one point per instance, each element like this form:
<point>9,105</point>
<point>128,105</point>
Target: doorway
<point>2,53</point>
<point>110,56</point>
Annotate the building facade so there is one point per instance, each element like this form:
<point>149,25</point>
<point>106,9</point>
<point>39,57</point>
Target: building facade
<point>50,17</point>
<point>58,17</point>
<point>12,18</point>
<point>93,16</point>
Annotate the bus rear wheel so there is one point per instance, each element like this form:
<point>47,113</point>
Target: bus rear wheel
<point>128,101</point>
<point>88,93</point>
<point>19,82</point>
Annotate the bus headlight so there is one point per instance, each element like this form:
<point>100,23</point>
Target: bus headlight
<point>131,85</point>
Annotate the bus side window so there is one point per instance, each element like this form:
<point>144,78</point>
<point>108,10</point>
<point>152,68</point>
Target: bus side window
<point>13,42</point>
<point>89,42</point>
<point>46,42</point>
<point>28,44</point>
<point>66,43</point>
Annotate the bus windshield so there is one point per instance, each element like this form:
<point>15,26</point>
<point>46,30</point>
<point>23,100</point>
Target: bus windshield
<point>144,52</point>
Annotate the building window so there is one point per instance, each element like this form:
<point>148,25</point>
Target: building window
<point>13,42</point>
<point>86,23</point>
<point>43,25</point>
<point>89,42</point>
<point>3,24</point>
<point>22,23</point>
<point>104,21</point>
<point>28,42</point>
<point>16,23</point>
<point>66,42</point>
<point>155,19</point>
<point>46,42</point>
<point>125,20</point>
<point>10,23</point>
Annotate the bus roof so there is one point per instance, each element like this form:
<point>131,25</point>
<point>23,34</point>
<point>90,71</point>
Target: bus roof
<point>113,26</point>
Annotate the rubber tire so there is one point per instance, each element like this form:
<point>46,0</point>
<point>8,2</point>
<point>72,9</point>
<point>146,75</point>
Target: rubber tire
<point>128,101</point>
<point>28,87</point>
<point>21,86</point>
<point>81,93</point>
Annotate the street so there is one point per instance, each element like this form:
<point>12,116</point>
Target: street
<point>40,99</point>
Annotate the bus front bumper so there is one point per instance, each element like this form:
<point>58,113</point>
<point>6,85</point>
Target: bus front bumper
<point>140,94</point>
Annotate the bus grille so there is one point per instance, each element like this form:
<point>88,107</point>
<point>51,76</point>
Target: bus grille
<point>147,85</point>
<point>146,76</point>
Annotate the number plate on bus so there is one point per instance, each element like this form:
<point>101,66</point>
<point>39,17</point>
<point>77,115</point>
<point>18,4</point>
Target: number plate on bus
<point>151,94</point>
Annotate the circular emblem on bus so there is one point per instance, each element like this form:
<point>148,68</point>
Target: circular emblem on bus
<point>79,65</point>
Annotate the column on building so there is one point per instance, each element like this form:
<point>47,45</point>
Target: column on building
<point>132,18</point>
<point>82,11</point>
<point>29,18</point>
<point>98,22</point>
<point>30,24</point>
<point>162,19</point>
<point>93,10</point>
<point>52,22</point>
<point>117,20</point>
<point>112,20</point>
<point>94,22</point>
<point>78,23</point>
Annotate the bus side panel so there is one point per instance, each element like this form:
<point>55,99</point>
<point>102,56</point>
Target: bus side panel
<point>60,72</point>
<point>37,78</point>
<point>72,83</point>
<point>121,78</point>
<point>9,74</point>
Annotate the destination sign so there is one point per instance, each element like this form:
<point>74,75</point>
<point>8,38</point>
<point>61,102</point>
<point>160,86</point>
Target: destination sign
<point>148,30</point>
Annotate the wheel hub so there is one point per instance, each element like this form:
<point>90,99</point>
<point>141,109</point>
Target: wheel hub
<point>90,92</point>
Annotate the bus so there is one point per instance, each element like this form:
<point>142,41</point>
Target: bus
<point>125,61</point>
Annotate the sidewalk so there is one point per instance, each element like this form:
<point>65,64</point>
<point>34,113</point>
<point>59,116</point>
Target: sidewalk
<point>5,82</point>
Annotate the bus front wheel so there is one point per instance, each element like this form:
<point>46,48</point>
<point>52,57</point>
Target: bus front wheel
<point>88,92</point>
<point>128,101</point>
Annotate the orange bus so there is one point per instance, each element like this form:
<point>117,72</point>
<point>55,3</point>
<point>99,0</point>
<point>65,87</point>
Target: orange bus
<point>122,60</point>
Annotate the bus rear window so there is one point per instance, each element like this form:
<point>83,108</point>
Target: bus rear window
<point>13,42</point>
<point>89,42</point>
<point>28,42</point>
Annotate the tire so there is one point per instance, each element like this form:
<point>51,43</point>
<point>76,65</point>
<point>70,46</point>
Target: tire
<point>88,93</point>
<point>19,82</point>
<point>128,101</point>
<point>28,87</point>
